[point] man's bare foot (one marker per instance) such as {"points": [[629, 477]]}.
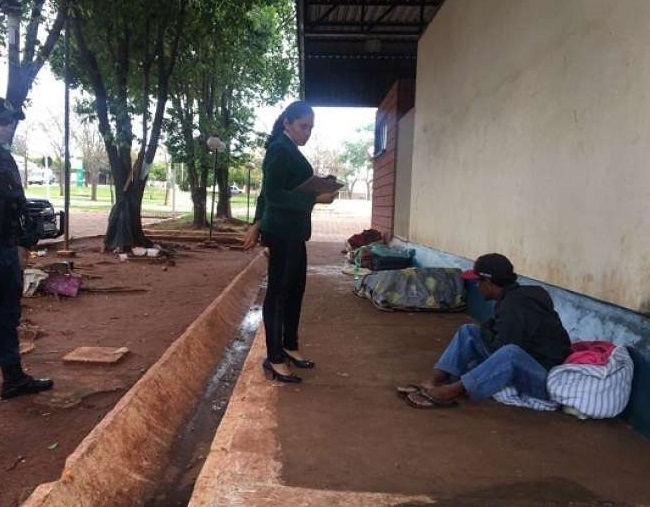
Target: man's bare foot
{"points": [[447, 392], [438, 377]]}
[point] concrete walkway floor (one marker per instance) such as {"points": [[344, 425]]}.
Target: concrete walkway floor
{"points": [[343, 438]]}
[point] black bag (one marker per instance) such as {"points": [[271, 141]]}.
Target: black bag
{"points": [[385, 257]]}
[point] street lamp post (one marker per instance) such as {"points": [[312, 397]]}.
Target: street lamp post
{"points": [[66, 134], [214, 144], [250, 166]]}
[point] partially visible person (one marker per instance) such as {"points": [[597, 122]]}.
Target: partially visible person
{"points": [[283, 220], [16, 236], [517, 347]]}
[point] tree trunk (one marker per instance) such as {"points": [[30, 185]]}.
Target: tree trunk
{"points": [[198, 192], [223, 204], [124, 222], [199, 201]]}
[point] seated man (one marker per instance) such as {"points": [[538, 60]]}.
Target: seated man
{"points": [[517, 347]]}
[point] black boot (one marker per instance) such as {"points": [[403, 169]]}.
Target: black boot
{"points": [[17, 382]]}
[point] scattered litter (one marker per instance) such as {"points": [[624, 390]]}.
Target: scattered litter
{"points": [[59, 267], [19, 459], [32, 279], [153, 252], [123, 257], [53, 446], [27, 334], [139, 251], [62, 284]]}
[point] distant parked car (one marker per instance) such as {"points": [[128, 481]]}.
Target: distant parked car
{"points": [[40, 177], [49, 224], [234, 189]]}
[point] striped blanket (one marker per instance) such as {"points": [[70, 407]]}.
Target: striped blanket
{"points": [[583, 390]]}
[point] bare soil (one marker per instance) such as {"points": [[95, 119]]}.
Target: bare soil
{"points": [[142, 304]]}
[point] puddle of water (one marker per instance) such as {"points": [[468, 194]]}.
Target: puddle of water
{"points": [[192, 444], [327, 270]]}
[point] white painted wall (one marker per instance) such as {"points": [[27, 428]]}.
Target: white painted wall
{"points": [[403, 170], [532, 138]]}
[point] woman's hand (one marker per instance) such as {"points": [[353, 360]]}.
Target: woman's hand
{"points": [[252, 236], [327, 198]]}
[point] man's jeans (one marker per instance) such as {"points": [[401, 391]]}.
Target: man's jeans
{"points": [[11, 288], [484, 373]]}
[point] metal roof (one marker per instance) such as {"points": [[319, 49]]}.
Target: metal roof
{"points": [[353, 51]]}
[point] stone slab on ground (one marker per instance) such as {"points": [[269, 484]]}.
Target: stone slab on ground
{"points": [[101, 355]]}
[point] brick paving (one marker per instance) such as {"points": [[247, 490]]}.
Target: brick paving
{"points": [[341, 219]]}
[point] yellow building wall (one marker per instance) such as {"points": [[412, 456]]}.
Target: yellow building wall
{"points": [[532, 138]]}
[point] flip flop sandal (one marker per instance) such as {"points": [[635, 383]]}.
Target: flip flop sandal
{"points": [[423, 399], [404, 391]]}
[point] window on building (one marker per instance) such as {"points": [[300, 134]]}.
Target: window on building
{"points": [[381, 137]]}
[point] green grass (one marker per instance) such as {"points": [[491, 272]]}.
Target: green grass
{"points": [[153, 200], [83, 194], [181, 222], [187, 222]]}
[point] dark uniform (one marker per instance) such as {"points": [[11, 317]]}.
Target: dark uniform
{"points": [[16, 230]]}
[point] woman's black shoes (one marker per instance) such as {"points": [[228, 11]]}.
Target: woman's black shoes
{"points": [[274, 375], [299, 363]]}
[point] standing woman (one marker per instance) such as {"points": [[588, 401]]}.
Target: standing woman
{"points": [[283, 220]]}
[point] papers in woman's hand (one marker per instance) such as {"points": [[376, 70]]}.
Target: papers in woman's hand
{"points": [[320, 185]]}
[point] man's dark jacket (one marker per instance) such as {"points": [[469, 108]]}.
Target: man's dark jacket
{"points": [[525, 316], [16, 227]]}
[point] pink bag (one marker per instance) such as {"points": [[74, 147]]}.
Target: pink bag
{"points": [[63, 284]]}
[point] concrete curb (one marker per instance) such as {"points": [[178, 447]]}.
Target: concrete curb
{"points": [[122, 458], [243, 467]]}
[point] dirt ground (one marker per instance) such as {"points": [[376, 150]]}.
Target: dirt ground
{"points": [[343, 429], [142, 304]]}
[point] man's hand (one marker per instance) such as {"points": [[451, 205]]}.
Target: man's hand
{"points": [[327, 198], [252, 236], [23, 256]]}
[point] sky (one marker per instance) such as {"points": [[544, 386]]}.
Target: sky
{"points": [[332, 125]]}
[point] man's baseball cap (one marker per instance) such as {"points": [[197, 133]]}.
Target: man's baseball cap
{"points": [[494, 267], [8, 112]]}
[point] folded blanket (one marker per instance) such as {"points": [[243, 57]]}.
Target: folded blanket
{"points": [[593, 390], [590, 352], [584, 390]]}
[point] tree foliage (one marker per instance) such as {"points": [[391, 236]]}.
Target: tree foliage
{"points": [[29, 49], [87, 138], [239, 60], [123, 53], [355, 159]]}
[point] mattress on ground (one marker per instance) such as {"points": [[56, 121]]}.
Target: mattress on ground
{"points": [[414, 289]]}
